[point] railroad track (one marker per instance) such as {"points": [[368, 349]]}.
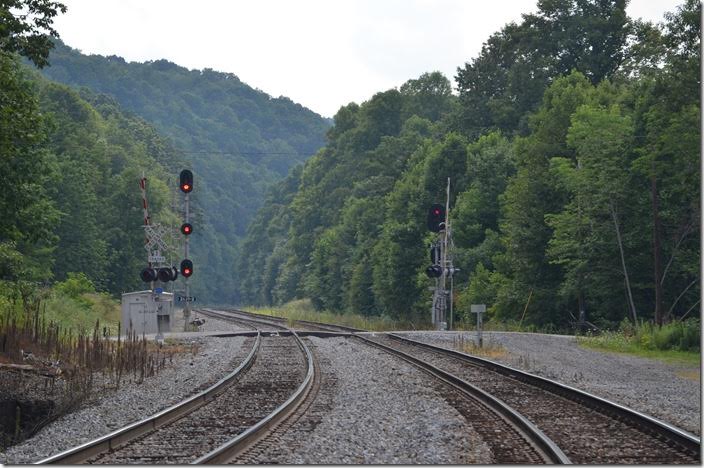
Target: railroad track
{"points": [[252, 322], [219, 422], [589, 429], [521, 417], [511, 437], [282, 322], [518, 440]]}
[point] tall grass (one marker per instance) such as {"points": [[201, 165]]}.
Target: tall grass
{"points": [[676, 340]]}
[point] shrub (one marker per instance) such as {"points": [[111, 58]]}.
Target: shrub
{"points": [[75, 286]]}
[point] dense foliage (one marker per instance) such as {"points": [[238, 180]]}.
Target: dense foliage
{"points": [[574, 154], [71, 204], [238, 140]]}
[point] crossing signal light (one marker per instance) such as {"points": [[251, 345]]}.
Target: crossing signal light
{"points": [[436, 218], [186, 181], [186, 268], [186, 229], [148, 275], [166, 274], [433, 271]]}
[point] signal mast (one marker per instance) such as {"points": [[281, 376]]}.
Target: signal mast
{"points": [[441, 258]]}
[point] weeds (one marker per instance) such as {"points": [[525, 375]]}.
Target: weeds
{"points": [[74, 364], [490, 348], [678, 341]]}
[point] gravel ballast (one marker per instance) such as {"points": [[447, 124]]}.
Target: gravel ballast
{"points": [[381, 411], [187, 375], [650, 386]]}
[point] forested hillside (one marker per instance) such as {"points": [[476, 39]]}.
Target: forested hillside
{"points": [[72, 163], [238, 140], [574, 153]]}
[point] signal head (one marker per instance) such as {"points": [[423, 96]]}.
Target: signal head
{"points": [[148, 275], [436, 218], [186, 181], [165, 275], [186, 229], [186, 268]]}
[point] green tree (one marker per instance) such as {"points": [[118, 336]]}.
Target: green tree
{"points": [[591, 238], [28, 213], [26, 28], [516, 65]]}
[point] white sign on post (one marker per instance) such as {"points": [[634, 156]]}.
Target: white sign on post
{"points": [[478, 308]]}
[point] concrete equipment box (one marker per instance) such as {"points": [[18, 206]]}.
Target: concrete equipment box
{"points": [[147, 312]]}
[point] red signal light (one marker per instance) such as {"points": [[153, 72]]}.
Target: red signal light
{"points": [[186, 229], [186, 181], [436, 218], [186, 268]]}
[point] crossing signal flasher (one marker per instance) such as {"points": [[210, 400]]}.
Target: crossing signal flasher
{"points": [[163, 274], [148, 275]]}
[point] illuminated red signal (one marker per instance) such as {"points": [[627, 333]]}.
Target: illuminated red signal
{"points": [[186, 229], [186, 181], [186, 268], [436, 218]]}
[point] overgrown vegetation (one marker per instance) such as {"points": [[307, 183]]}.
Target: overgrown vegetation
{"points": [[490, 349], [675, 341]]}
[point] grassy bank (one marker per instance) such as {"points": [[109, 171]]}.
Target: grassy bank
{"points": [[676, 342]]}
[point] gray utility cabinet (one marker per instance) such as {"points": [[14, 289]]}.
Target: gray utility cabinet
{"points": [[147, 312]]}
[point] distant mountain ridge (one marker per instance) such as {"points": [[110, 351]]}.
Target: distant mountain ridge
{"points": [[237, 139], [201, 110]]}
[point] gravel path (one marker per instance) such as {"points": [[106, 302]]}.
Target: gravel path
{"points": [[132, 402], [666, 391], [374, 408]]}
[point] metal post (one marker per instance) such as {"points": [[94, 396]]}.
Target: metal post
{"points": [[452, 281], [187, 308], [479, 329], [478, 309]]}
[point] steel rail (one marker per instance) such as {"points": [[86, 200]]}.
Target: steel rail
{"points": [[260, 321], [672, 433], [325, 326], [550, 452], [121, 436], [251, 436]]}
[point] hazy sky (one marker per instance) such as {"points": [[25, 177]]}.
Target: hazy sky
{"points": [[320, 53]]}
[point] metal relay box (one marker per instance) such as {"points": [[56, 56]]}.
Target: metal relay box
{"points": [[147, 312]]}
